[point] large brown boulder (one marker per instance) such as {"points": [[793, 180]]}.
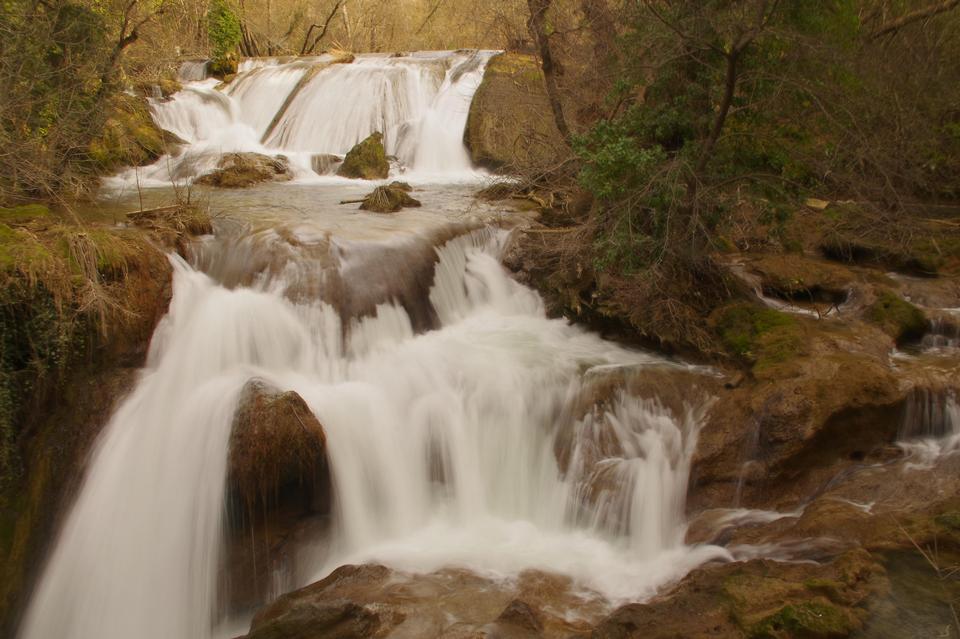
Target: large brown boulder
{"points": [[240, 170], [510, 122], [375, 601], [772, 441], [367, 160], [278, 487]]}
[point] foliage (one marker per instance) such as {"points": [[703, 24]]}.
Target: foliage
{"points": [[223, 29], [815, 109]]}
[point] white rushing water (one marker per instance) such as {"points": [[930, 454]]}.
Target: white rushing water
{"points": [[930, 427], [454, 409], [489, 391], [311, 106]]}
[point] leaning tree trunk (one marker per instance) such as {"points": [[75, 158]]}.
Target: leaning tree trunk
{"points": [[538, 29]]}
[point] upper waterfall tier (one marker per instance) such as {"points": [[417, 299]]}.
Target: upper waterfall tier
{"points": [[310, 106]]}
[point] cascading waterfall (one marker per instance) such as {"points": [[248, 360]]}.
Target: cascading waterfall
{"points": [[483, 398], [930, 426], [313, 106]]}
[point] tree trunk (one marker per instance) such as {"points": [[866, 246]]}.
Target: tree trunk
{"points": [[538, 29]]}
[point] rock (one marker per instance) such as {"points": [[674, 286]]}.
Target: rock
{"points": [[371, 600], [817, 204], [367, 160], [130, 137], [757, 599], [278, 482], [773, 440], [325, 163], [239, 170], [521, 619], [223, 67], [897, 317], [798, 278], [510, 121], [390, 198]]}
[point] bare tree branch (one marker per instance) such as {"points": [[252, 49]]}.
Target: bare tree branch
{"points": [[914, 16], [304, 50]]}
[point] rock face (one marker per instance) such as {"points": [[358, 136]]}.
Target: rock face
{"points": [[757, 599], [367, 160], [278, 484], [357, 602], [390, 198], [510, 120], [239, 170]]}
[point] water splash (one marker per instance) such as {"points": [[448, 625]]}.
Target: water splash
{"points": [[313, 106], [930, 427], [442, 447]]}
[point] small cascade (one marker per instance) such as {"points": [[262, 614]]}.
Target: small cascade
{"points": [[193, 70], [442, 446], [318, 106], [930, 426], [943, 335]]}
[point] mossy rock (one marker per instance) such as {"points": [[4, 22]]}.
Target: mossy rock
{"points": [[897, 317], [130, 137], [367, 160], [510, 121], [389, 199], [761, 336], [223, 67], [240, 170], [806, 620]]}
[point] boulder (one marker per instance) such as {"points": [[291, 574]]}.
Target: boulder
{"points": [[897, 317], [390, 198], [278, 485], [758, 599], [367, 160], [510, 122], [821, 393], [129, 137], [239, 170], [452, 603]]}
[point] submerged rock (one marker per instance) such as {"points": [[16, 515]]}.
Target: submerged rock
{"points": [[390, 198], [325, 163], [239, 170], [367, 160]]}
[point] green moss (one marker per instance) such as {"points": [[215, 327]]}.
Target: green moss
{"points": [[897, 317], [24, 214], [367, 160], [813, 619], [949, 520], [129, 138], [763, 336]]}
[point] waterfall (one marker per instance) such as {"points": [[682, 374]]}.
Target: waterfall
{"points": [[930, 426], [314, 106], [442, 445]]}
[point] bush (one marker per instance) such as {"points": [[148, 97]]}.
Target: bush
{"points": [[223, 29]]}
